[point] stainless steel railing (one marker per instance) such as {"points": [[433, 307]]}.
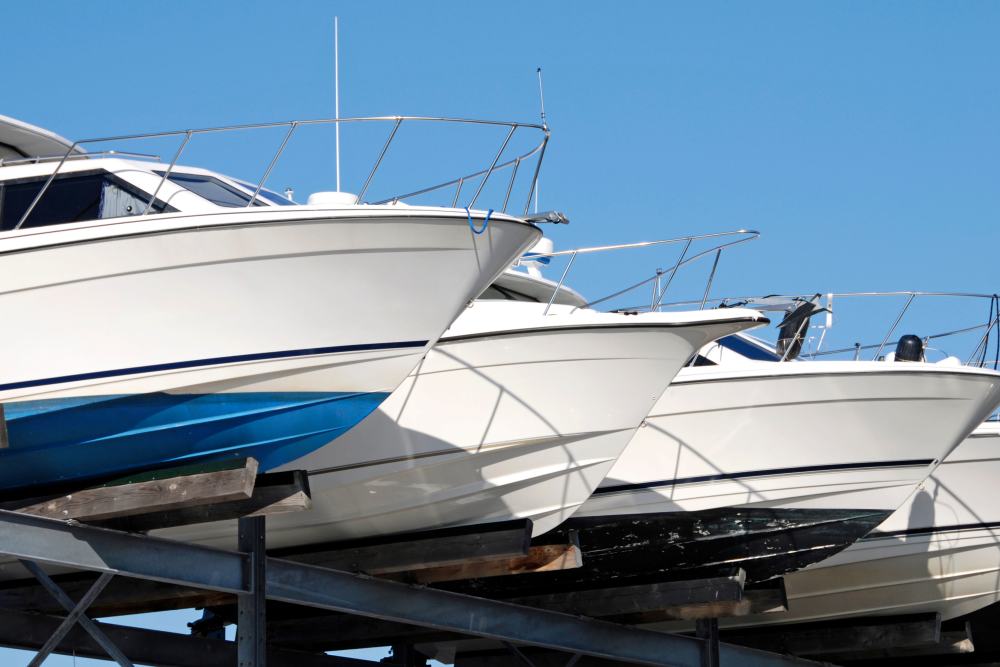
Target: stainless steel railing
{"points": [[659, 290], [978, 357], [186, 136]]}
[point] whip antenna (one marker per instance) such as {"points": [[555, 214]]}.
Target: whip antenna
{"points": [[336, 92]]}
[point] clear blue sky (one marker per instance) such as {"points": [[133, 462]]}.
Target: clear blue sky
{"points": [[861, 138]]}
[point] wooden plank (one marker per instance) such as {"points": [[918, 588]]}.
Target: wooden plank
{"points": [[274, 493], [432, 549], [150, 647], [642, 598], [826, 639], [953, 643], [544, 558], [754, 601], [171, 493]]}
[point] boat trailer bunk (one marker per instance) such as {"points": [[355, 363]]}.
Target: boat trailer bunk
{"points": [[291, 607]]}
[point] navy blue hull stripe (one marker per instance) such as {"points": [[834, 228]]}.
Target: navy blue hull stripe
{"points": [[929, 530], [763, 473], [285, 354]]}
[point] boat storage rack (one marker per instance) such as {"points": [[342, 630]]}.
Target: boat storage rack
{"points": [[89, 555]]}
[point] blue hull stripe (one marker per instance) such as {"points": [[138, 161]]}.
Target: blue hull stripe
{"points": [[56, 441], [212, 362], [763, 473]]}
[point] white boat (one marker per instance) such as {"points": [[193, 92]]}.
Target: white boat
{"points": [[938, 553], [160, 314], [515, 414], [751, 450]]}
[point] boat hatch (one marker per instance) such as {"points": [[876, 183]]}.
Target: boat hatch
{"points": [[72, 197]]}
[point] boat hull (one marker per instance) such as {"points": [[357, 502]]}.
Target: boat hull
{"points": [[647, 548], [816, 435], [938, 553], [496, 425], [204, 337]]}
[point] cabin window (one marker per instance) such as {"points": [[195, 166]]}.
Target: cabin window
{"points": [[214, 190], [71, 198]]}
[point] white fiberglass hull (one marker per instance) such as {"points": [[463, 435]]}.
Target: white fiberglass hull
{"points": [[810, 435], [260, 332], [511, 415], [938, 553]]}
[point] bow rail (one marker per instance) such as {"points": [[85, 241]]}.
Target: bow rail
{"points": [[481, 177]]}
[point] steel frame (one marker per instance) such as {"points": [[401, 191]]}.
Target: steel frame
{"points": [[250, 576]]}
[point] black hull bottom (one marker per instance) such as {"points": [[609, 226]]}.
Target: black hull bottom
{"points": [[635, 549]]}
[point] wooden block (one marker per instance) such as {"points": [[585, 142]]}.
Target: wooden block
{"points": [[543, 558], [144, 497], [432, 549], [843, 637], [273, 493], [672, 596]]}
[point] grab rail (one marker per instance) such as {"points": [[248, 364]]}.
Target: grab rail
{"points": [[991, 326], [659, 292], [292, 125]]}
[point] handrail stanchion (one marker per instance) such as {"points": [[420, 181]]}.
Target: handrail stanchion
{"points": [[673, 272], [894, 325], [982, 341], [458, 192], [534, 178], [166, 174], [562, 278], [482, 183], [274, 160], [510, 185], [371, 175], [656, 289], [711, 277], [34, 202]]}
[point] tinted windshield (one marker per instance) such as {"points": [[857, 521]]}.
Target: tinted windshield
{"points": [[213, 189], [269, 195]]}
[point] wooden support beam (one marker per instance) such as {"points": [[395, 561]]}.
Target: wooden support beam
{"points": [[842, 637], [544, 558], [169, 492], [627, 600], [273, 493], [432, 549], [754, 601], [150, 647]]}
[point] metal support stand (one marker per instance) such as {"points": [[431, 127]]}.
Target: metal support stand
{"points": [[251, 630], [707, 629], [76, 615]]}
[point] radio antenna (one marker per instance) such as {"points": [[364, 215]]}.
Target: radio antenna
{"points": [[336, 92], [541, 97]]}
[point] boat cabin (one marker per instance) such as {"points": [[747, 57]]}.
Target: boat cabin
{"points": [[98, 186]]}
